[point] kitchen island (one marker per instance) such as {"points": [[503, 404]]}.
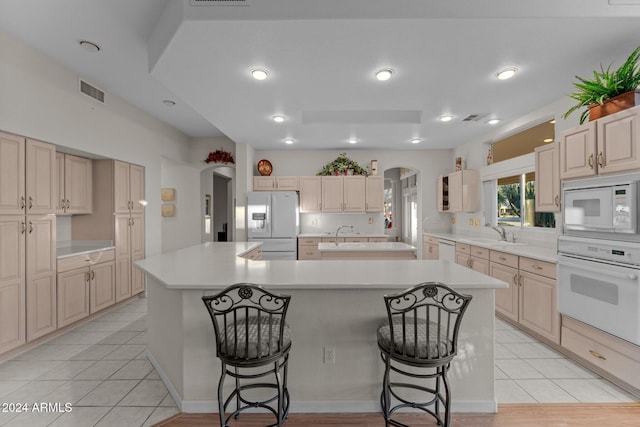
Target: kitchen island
{"points": [[335, 304], [366, 250]]}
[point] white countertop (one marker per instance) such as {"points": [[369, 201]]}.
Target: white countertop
{"points": [[71, 248], [366, 247], [333, 234], [526, 250], [214, 265]]}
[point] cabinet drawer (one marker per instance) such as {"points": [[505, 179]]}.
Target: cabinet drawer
{"points": [[333, 239], [543, 268], [356, 239], [479, 252], [378, 239], [308, 241], [504, 258], [84, 260], [605, 351], [307, 252], [430, 239], [463, 247], [255, 254]]}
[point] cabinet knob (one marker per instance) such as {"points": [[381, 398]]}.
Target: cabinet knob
{"points": [[515, 279], [536, 266], [601, 159], [30, 227], [22, 203], [556, 200], [591, 161], [502, 258], [23, 227], [30, 202], [597, 355]]}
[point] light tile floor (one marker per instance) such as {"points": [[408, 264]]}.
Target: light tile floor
{"points": [[100, 370], [528, 371]]}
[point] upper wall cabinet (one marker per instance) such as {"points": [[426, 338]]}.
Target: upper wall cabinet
{"points": [[374, 197], [310, 193], [128, 188], [604, 146], [352, 194], [443, 193], [547, 178], [463, 189], [74, 185], [275, 183]]}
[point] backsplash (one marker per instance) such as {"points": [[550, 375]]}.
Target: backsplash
{"points": [[370, 223], [63, 228]]}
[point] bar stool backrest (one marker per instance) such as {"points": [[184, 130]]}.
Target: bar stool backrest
{"points": [[249, 322], [426, 320]]}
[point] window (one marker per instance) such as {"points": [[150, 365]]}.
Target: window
{"points": [[516, 207]]}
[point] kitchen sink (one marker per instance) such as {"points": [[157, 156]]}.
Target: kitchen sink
{"points": [[492, 242]]}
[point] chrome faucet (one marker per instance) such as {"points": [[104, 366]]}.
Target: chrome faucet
{"points": [[340, 228], [500, 230]]}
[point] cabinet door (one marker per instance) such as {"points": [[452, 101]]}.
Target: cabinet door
{"points": [[137, 253], [41, 178], [12, 282], [463, 259], [332, 193], [470, 190], [310, 193], [73, 296], [618, 142], [480, 265], [443, 193], [78, 185], [538, 305], [123, 257], [41, 275], [12, 191], [264, 183], [102, 290], [374, 192], [431, 251], [136, 188], [287, 183], [578, 152], [547, 178], [121, 187], [455, 192], [354, 193], [506, 299], [59, 187]]}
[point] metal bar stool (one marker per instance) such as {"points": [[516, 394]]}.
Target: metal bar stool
{"points": [[251, 332], [421, 331]]}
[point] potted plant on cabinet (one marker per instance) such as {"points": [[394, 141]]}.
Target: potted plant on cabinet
{"points": [[608, 91], [342, 165]]}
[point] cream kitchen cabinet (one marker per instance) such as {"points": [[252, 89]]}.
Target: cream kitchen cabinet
{"points": [[86, 285], [443, 193], [531, 299], [332, 194], [310, 193], [118, 215], [463, 189], [354, 194], [344, 194], [604, 146], [377, 239], [374, 194], [473, 257], [547, 171], [430, 248], [12, 281], [275, 183], [74, 185], [254, 254], [308, 248]]}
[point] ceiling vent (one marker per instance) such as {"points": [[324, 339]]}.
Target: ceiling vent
{"points": [[91, 91], [219, 2], [475, 117]]}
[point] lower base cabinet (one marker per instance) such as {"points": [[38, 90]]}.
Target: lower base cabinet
{"points": [[102, 290], [73, 296]]}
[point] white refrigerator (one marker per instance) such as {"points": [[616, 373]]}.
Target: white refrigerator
{"points": [[273, 219]]}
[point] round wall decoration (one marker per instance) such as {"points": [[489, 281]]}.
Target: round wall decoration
{"points": [[264, 167]]}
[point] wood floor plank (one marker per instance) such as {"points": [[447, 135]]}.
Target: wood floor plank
{"points": [[509, 415]]}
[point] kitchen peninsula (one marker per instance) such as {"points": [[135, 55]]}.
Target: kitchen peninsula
{"points": [[335, 304], [366, 250]]}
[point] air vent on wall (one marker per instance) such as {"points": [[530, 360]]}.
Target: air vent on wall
{"points": [[219, 2], [475, 117], [91, 91]]}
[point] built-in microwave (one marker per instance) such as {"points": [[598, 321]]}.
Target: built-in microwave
{"points": [[602, 205]]}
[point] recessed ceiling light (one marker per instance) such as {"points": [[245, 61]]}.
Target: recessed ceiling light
{"points": [[278, 119], [169, 103], [494, 121], [446, 118], [289, 141], [384, 74], [89, 46], [259, 73], [506, 73], [352, 141], [416, 140], [548, 140]]}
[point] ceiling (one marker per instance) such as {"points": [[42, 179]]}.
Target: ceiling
{"points": [[322, 55]]}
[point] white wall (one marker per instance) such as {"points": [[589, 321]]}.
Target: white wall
{"points": [[40, 99]]}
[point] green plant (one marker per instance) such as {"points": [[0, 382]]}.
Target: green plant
{"points": [[341, 164], [606, 84]]}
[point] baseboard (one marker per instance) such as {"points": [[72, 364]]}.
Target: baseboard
{"points": [[167, 382]]}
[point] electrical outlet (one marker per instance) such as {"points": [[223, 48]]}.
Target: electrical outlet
{"points": [[314, 221], [330, 355], [477, 223], [470, 222], [453, 220], [372, 220]]}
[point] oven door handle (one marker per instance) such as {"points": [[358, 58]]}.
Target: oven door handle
{"points": [[601, 271]]}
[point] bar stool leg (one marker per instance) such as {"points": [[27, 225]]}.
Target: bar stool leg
{"points": [[386, 392], [285, 388], [223, 374], [447, 403], [276, 371]]}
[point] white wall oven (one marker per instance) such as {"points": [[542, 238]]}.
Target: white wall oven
{"points": [[599, 284]]}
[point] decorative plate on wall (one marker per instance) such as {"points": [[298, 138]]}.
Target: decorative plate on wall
{"points": [[264, 167]]}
